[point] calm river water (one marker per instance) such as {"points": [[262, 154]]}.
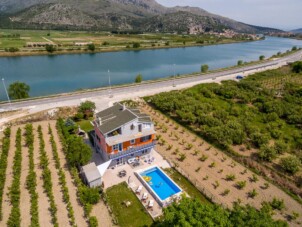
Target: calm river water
{"points": [[64, 73]]}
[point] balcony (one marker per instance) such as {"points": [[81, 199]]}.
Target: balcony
{"points": [[131, 151]]}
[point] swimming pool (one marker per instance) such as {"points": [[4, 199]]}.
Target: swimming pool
{"points": [[159, 184]]}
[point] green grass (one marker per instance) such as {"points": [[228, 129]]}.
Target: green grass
{"points": [[133, 216], [85, 125], [186, 185]]}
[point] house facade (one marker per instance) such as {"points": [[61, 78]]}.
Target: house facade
{"points": [[122, 133]]}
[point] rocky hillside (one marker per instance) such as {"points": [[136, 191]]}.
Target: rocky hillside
{"points": [[140, 15]]}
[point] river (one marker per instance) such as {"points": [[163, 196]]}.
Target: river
{"points": [[64, 73]]}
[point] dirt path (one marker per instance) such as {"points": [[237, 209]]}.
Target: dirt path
{"points": [[62, 213], [78, 209], [6, 207], [24, 195], [43, 203], [210, 177], [101, 212]]}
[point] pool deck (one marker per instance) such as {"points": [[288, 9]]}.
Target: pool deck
{"points": [[111, 178]]}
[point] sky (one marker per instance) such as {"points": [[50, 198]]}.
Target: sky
{"points": [[282, 14]]}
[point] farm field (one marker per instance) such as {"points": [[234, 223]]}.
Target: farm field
{"points": [[43, 203], [103, 41], [218, 176]]}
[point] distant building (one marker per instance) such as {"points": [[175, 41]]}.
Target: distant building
{"points": [[82, 43], [39, 44], [122, 133], [91, 175]]}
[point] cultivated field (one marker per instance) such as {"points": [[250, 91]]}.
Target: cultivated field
{"points": [[53, 201], [217, 175], [104, 41]]}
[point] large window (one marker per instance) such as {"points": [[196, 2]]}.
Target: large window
{"points": [[145, 138], [146, 125]]}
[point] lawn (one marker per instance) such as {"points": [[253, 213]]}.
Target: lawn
{"points": [[132, 216], [85, 125], [186, 185]]}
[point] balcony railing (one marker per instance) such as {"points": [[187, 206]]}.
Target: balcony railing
{"points": [[132, 150]]}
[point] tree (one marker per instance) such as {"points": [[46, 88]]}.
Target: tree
{"points": [[139, 78], [191, 212], [240, 62], [85, 109], [294, 48], [204, 68], [267, 153], [18, 90], [136, 45], [290, 164], [50, 48], [261, 57], [297, 67], [91, 47], [78, 153]]}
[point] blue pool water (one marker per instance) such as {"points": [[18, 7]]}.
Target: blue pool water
{"points": [[160, 183]]}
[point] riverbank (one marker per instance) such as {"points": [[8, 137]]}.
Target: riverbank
{"points": [[33, 42], [110, 49]]}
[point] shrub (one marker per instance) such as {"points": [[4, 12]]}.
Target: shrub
{"points": [[226, 192], [136, 45], [93, 222], [241, 184], [212, 165], [89, 195], [182, 157], [254, 178], [91, 47], [297, 67], [14, 190], [3, 164], [50, 48], [277, 204], [290, 164], [267, 153], [203, 158], [253, 193], [230, 177]]}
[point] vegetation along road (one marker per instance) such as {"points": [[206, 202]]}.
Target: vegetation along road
{"points": [[148, 88]]}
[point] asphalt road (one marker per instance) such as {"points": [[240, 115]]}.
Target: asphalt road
{"points": [[149, 85]]}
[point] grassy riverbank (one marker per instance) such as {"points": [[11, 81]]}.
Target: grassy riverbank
{"points": [[31, 42]]}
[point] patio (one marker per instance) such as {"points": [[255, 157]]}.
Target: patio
{"points": [[113, 177]]}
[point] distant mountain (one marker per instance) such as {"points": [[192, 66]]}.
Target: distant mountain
{"points": [[138, 15], [299, 30]]}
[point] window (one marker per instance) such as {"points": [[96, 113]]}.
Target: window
{"points": [[139, 128], [146, 125], [115, 147], [132, 141], [145, 138], [132, 127]]}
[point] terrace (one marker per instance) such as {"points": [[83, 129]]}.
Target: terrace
{"points": [[112, 178]]}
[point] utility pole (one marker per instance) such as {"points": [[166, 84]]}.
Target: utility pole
{"points": [[174, 76], [10, 105], [110, 92]]}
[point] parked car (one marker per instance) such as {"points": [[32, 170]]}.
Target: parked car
{"points": [[239, 77]]}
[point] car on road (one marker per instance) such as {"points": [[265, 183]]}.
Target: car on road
{"points": [[239, 77]]}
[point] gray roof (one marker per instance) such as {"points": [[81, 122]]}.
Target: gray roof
{"points": [[91, 172], [114, 117]]}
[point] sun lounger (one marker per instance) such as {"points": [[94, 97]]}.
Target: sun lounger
{"points": [[139, 189], [145, 196], [151, 203]]}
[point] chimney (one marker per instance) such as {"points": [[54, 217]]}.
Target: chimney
{"points": [[99, 120], [124, 106]]}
